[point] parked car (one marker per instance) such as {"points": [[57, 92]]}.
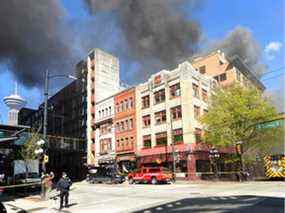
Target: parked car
{"points": [[31, 178], [151, 175], [104, 175], [2, 208]]}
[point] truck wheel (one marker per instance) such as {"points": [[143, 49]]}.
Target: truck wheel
{"points": [[153, 180], [131, 181]]}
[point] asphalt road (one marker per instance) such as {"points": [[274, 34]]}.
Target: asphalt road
{"points": [[180, 197], [235, 204]]}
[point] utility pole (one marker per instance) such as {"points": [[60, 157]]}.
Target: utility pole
{"points": [[173, 148], [45, 113]]}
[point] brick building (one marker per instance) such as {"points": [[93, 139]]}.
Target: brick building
{"points": [[125, 128], [226, 70]]}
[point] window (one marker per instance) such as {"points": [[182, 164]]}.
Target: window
{"points": [[161, 139], [238, 75], [117, 107], [175, 90], [131, 103], [103, 113], [159, 96], [147, 141], [202, 69], [196, 112], [178, 136], [110, 111], [131, 123], [127, 124], [176, 112], [118, 127], [223, 77], [198, 135], [160, 117], [145, 101], [126, 104], [146, 120], [122, 107], [195, 90], [204, 95], [99, 113], [122, 127]]}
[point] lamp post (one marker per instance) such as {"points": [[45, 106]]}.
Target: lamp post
{"points": [[214, 155], [47, 77]]}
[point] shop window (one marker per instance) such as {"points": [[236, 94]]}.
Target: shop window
{"points": [[146, 120], [178, 136], [176, 112], [175, 91], [161, 139], [195, 90], [203, 166], [160, 117], [196, 112], [147, 141], [145, 102], [204, 95], [159, 96]]}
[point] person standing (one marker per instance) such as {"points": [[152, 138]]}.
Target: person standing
{"points": [[63, 185]]}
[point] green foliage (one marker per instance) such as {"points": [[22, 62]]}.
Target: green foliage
{"points": [[27, 151], [233, 115]]}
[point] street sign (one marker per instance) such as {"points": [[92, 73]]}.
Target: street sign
{"points": [[270, 124]]}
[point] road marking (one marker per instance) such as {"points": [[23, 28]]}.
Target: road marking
{"points": [[159, 208], [213, 198], [169, 205], [223, 198]]}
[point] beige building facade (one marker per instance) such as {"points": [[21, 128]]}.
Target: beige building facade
{"points": [[168, 107]]}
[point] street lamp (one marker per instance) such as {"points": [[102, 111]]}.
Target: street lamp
{"points": [[214, 155], [47, 77]]}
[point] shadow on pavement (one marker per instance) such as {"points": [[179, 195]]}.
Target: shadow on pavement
{"points": [[236, 204]]}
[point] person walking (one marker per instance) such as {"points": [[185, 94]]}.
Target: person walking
{"points": [[49, 183], [63, 185]]}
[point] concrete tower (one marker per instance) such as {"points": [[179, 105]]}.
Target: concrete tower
{"points": [[15, 103]]}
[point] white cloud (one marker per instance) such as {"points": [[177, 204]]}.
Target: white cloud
{"points": [[271, 49]]}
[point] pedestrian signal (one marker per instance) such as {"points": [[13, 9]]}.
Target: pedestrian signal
{"points": [[46, 158]]}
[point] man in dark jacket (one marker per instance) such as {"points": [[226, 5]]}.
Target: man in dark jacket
{"points": [[63, 185]]}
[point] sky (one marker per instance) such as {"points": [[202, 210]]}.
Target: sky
{"points": [[264, 18]]}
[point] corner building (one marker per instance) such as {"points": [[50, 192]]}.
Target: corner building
{"points": [[168, 107]]}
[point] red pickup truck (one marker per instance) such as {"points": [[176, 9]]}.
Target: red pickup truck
{"points": [[151, 175]]}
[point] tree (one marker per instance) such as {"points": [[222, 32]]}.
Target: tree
{"points": [[27, 151], [233, 115]]}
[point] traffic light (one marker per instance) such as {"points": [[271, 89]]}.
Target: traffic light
{"points": [[46, 158]]}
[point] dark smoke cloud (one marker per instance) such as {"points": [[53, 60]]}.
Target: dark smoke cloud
{"points": [[154, 29], [241, 42], [33, 38]]}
